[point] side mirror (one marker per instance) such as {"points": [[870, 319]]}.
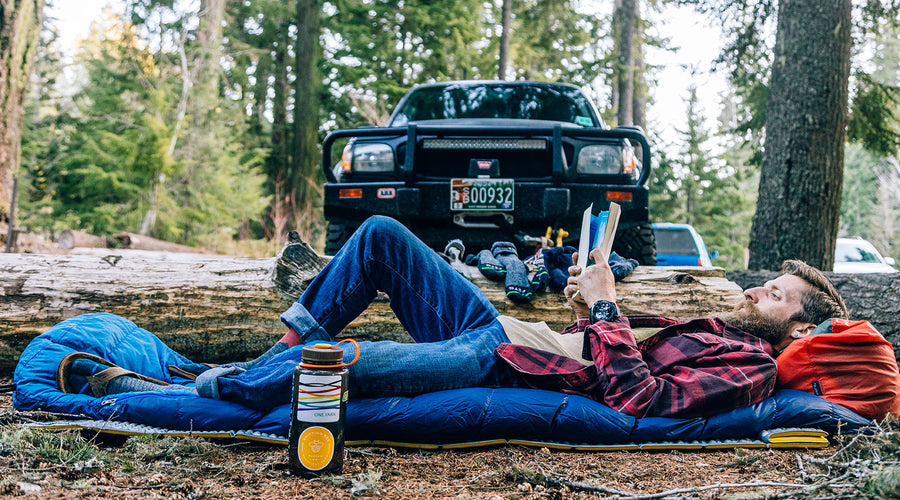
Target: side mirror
{"points": [[890, 261], [713, 254]]}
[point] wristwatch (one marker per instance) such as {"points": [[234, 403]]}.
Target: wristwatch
{"points": [[604, 310]]}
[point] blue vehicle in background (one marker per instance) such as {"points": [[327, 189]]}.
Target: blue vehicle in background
{"points": [[680, 245]]}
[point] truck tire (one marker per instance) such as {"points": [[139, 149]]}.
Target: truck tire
{"points": [[335, 236], [637, 243]]}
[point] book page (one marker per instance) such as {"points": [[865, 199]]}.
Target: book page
{"points": [[585, 241]]}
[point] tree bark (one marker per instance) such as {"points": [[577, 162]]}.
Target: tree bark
{"points": [[802, 171], [20, 25], [505, 34], [227, 309]]}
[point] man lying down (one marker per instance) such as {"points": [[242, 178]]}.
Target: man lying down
{"points": [[687, 369]]}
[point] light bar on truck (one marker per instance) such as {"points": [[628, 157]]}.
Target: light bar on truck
{"points": [[486, 143]]}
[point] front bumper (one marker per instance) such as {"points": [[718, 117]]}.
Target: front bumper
{"points": [[426, 207]]}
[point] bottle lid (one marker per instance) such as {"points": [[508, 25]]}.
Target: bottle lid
{"points": [[322, 354]]}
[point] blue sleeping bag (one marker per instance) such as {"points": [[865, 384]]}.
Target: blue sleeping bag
{"points": [[462, 415]]}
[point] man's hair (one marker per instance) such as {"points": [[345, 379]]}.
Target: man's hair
{"points": [[821, 300]]}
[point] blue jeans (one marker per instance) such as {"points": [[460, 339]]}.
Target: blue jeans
{"points": [[454, 324]]}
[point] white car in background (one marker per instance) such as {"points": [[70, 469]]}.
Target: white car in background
{"points": [[856, 255]]}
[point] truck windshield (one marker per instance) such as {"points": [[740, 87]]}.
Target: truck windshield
{"points": [[527, 102]]}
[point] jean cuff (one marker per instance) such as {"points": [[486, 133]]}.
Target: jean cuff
{"points": [[298, 318], [207, 383]]}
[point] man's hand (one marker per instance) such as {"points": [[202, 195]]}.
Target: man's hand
{"points": [[595, 283], [581, 309]]}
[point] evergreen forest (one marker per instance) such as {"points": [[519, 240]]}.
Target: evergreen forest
{"points": [[200, 122]]}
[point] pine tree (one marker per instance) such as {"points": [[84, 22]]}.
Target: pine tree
{"points": [[134, 134]]}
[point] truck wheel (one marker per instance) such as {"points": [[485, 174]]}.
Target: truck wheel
{"points": [[637, 243], [335, 237]]}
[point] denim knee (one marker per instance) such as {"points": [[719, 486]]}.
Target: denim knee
{"points": [[378, 227]]}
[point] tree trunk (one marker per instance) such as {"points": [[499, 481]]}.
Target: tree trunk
{"points": [[639, 99], [306, 109], [279, 167], [802, 171], [227, 309], [20, 25], [505, 33], [627, 24], [616, 71]]}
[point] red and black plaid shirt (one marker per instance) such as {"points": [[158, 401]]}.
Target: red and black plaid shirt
{"points": [[700, 367]]}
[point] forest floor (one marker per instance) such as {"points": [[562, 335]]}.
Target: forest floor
{"points": [[71, 464]]}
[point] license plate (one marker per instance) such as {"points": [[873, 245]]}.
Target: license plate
{"points": [[481, 194]]}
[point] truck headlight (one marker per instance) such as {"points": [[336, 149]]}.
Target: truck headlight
{"points": [[368, 157], [605, 159]]}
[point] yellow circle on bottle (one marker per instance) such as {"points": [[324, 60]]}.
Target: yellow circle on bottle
{"points": [[315, 448]]}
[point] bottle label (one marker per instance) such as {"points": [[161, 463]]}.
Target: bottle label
{"points": [[319, 398], [315, 448]]}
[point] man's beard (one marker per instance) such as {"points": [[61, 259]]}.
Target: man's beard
{"points": [[747, 317]]}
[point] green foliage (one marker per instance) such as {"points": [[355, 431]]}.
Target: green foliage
{"points": [[696, 188], [749, 26], [122, 150], [873, 116], [385, 47], [553, 41], [747, 56]]}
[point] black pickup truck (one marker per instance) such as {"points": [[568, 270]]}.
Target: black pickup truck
{"points": [[485, 161]]}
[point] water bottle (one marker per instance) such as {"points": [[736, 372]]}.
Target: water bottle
{"points": [[318, 411]]}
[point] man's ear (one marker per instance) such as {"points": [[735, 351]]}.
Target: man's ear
{"points": [[799, 330]]}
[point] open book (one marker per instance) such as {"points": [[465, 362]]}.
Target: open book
{"points": [[602, 236]]}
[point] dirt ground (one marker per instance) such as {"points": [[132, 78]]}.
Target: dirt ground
{"points": [[87, 465]]}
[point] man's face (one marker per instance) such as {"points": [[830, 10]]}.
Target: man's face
{"points": [[767, 310]]}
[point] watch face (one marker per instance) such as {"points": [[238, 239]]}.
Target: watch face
{"points": [[604, 310]]}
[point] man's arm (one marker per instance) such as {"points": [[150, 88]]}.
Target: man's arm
{"points": [[683, 375], [686, 374]]}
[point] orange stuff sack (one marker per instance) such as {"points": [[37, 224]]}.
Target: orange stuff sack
{"points": [[846, 362]]}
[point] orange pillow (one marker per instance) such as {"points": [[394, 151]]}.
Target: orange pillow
{"points": [[853, 366]]}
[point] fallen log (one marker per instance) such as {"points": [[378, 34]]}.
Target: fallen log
{"points": [[216, 309], [140, 242], [70, 239]]}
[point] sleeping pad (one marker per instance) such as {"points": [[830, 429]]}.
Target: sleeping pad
{"points": [[457, 416]]}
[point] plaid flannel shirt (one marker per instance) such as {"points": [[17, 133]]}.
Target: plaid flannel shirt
{"points": [[700, 367]]}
